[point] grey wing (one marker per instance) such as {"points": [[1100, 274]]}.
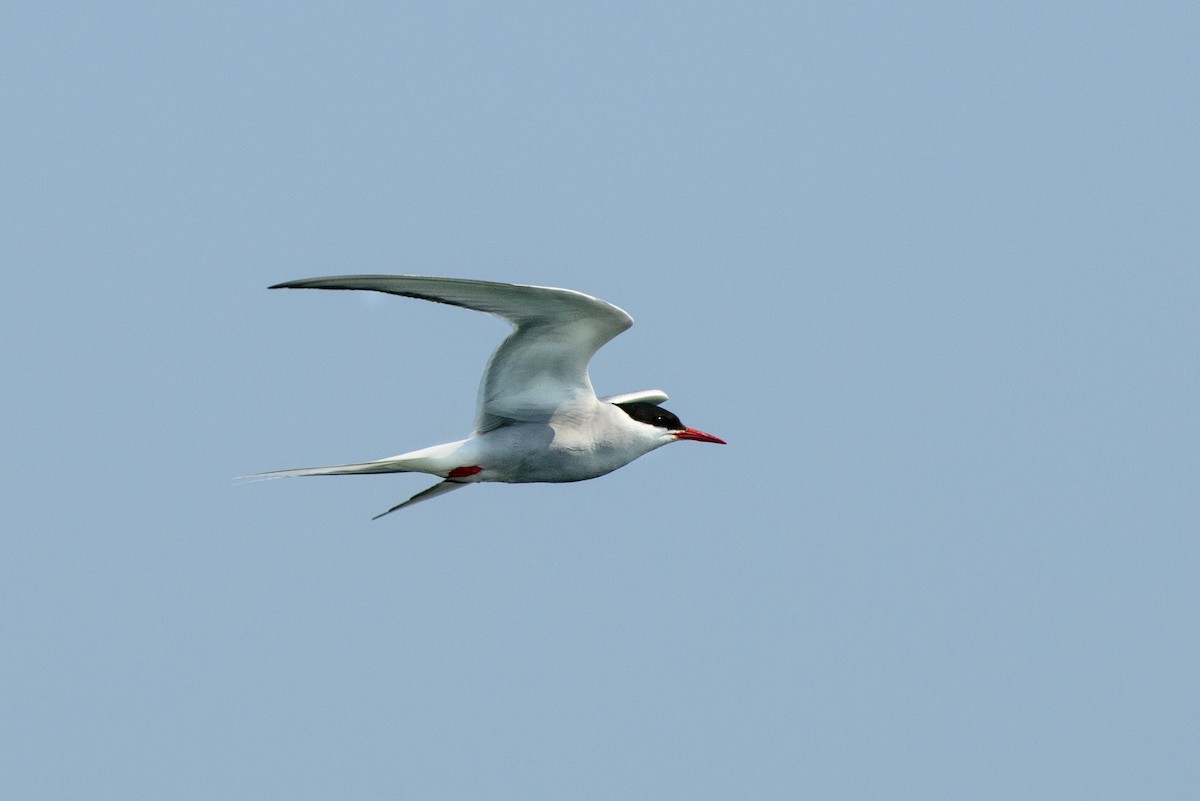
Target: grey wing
{"points": [[542, 365]]}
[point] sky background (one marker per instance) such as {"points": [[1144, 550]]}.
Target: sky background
{"points": [[932, 269]]}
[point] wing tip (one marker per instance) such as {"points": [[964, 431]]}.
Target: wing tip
{"points": [[655, 396], [303, 283], [425, 495]]}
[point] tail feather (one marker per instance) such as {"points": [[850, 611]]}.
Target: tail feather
{"points": [[363, 468], [438, 460]]}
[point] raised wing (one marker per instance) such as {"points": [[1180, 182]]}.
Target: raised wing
{"points": [[655, 396], [542, 365]]}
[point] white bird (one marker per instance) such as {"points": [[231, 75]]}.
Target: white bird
{"points": [[538, 418]]}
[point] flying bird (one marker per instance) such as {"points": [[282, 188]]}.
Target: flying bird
{"points": [[537, 418]]}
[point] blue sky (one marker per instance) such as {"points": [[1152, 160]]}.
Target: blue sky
{"points": [[931, 270]]}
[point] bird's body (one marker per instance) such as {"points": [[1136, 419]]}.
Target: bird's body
{"points": [[538, 418]]}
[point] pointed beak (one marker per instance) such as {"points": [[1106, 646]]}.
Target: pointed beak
{"points": [[698, 436]]}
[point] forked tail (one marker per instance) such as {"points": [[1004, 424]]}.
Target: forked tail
{"points": [[439, 460]]}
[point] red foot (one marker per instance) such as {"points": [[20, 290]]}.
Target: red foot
{"points": [[463, 472]]}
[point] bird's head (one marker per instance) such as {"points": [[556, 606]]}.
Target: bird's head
{"points": [[672, 428]]}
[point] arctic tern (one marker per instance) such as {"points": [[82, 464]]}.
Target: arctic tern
{"points": [[538, 418]]}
